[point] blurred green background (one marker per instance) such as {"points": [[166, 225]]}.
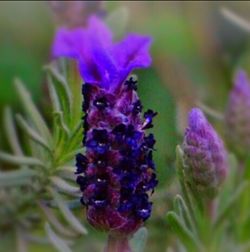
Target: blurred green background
{"points": [[195, 53]]}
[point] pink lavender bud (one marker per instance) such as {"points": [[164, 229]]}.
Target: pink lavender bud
{"points": [[204, 155], [116, 174], [237, 116]]}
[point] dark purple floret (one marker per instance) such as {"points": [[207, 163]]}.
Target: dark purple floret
{"points": [[149, 115], [131, 84], [86, 95], [81, 163], [137, 107], [149, 141]]}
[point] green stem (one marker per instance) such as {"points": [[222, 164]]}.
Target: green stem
{"points": [[117, 243], [211, 209]]}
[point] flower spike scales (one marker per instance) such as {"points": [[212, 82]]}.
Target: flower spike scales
{"points": [[205, 157], [117, 173], [205, 161]]}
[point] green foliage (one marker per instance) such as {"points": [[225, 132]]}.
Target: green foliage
{"points": [[204, 226], [41, 182]]}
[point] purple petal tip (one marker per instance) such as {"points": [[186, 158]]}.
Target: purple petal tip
{"points": [[241, 79], [101, 61], [204, 155], [196, 118]]}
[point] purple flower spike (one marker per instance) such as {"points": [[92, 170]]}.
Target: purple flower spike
{"points": [[102, 62], [237, 116], [205, 158], [117, 173]]}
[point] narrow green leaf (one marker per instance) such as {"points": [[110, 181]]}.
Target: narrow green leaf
{"points": [[198, 201], [184, 212], [236, 19], [70, 156], [59, 120], [185, 235], [11, 182], [36, 239], [75, 137], [223, 215], [32, 133], [61, 133], [67, 172], [74, 81], [10, 130], [181, 177], [72, 204], [20, 160], [62, 89], [53, 95], [68, 215], [63, 186], [16, 178], [55, 240], [139, 240], [67, 169], [32, 111], [51, 217]]}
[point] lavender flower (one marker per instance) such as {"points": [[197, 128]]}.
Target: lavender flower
{"points": [[204, 155], [117, 171], [237, 116]]}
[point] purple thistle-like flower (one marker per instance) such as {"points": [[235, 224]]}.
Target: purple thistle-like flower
{"points": [[117, 172], [237, 115], [205, 159]]}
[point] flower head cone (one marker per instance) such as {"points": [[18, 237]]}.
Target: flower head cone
{"points": [[237, 116], [117, 173], [205, 158]]}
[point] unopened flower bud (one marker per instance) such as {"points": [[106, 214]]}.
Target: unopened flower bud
{"points": [[237, 116], [205, 158]]}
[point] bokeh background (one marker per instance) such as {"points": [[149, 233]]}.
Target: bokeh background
{"points": [[195, 54]]}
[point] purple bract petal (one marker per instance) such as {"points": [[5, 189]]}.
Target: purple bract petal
{"points": [[241, 81], [132, 53], [102, 62], [66, 42], [96, 65], [98, 29]]}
